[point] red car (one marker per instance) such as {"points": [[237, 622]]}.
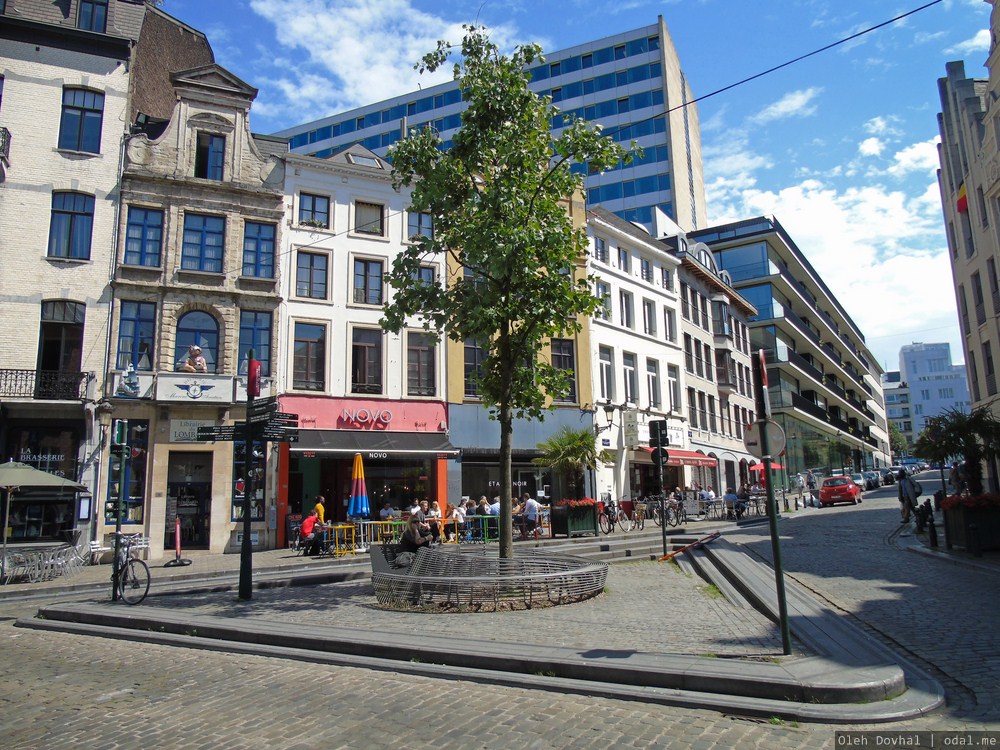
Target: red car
{"points": [[839, 490]]}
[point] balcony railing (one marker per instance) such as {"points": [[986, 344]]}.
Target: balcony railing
{"points": [[5, 144], [50, 385]]}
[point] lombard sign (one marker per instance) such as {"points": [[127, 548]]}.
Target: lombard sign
{"points": [[194, 388]]}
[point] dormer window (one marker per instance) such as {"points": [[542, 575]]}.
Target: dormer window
{"points": [[209, 156], [94, 15], [365, 161]]}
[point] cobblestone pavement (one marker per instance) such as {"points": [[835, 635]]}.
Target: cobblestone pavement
{"points": [[63, 691]]}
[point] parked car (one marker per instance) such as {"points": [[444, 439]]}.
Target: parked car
{"points": [[873, 480], [888, 477], [859, 479], [839, 490]]}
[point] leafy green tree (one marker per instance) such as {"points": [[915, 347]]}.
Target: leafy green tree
{"points": [[499, 198], [898, 444], [569, 453]]}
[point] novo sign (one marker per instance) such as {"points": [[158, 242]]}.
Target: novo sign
{"points": [[372, 418]]}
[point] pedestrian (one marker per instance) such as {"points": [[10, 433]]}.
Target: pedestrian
{"points": [[909, 492], [811, 485], [320, 508]]}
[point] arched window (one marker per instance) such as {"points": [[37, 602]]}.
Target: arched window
{"points": [[199, 328]]}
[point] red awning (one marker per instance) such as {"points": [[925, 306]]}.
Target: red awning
{"points": [[760, 467], [678, 457]]}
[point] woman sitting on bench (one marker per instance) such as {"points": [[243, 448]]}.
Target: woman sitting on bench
{"points": [[413, 537]]}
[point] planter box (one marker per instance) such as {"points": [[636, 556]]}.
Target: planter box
{"points": [[959, 521], [567, 521]]}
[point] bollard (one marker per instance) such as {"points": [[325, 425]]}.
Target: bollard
{"points": [[178, 561], [932, 533]]}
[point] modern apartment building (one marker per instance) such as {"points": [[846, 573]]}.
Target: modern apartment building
{"points": [[823, 383], [931, 383], [969, 180], [64, 79], [629, 83]]}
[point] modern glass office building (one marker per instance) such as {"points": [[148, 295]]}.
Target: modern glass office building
{"points": [[629, 83]]}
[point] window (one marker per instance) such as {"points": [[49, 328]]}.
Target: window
{"points": [[667, 279], [607, 366], [94, 15], [314, 210], [255, 333], [702, 411], [692, 408], [653, 382], [310, 275], [81, 121], [136, 333], [674, 387], [563, 359], [258, 250], [368, 282], [670, 324], [420, 364], [708, 362], [685, 305], [649, 317], [366, 361], [706, 321], [309, 357], [143, 237], [688, 353], [713, 424], [628, 368], [603, 293], [625, 299], [600, 250], [646, 269], [204, 240], [209, 156], [201, 329], [368, 219], [475, 356], [71, 225], [623, 259], [425, 276], [419, 224]]}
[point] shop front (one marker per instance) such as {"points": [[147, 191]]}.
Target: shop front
{"points": [[404, 448], [682, 469]]}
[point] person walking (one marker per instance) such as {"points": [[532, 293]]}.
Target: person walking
{"points": [[811, 485], [909, 493]]}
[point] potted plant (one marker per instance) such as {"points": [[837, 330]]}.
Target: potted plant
{"points": [[574, 517], [569, 453]]}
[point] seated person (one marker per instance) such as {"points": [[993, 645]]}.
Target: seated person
{"points": [[312, 535], [483, 509], [387, 513], [412, 538], [494, 507], [428, 522], [194, 362], [734, 508], [458, 518], [531, 509]]}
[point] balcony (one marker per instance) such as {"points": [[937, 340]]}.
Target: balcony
{"points": [[44, 385], [726, 378]]}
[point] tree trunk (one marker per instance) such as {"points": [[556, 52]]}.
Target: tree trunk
{"points": [[506, 445]]}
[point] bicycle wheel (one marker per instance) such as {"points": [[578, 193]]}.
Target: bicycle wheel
{"points": [[624, 522], [605, 523], [655, 513], [133, 584], [639, 518], [672, 517]]}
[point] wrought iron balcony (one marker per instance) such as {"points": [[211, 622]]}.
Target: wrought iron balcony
{"points": [[49, 385], [5, 144]]}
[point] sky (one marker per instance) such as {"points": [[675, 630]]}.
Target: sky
{"points": [[840, 148]]}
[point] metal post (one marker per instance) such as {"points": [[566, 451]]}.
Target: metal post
{"points": [[246, 549], [120, 447]]}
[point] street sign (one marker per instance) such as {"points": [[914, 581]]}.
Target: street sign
{"points": [[281, 436], [284, 415], [660, 456], [775, 439], [263, 405], [226, 432]]}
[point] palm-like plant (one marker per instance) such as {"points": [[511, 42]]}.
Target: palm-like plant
{"points": [[569, 453], [973, 435]]}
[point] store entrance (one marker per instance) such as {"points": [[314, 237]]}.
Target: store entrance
{"points": [[189, 495]]}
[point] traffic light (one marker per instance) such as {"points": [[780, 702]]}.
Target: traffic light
{"points": [[658, 437], [119, 437]]}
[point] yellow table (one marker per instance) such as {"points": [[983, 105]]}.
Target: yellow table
{"points": [[340, 540]]}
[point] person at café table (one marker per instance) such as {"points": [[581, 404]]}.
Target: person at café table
{"points": [[428, 524], [530, 510], [312, 534], [387, 513], [483, 509], [458, 516], [412, 538]]}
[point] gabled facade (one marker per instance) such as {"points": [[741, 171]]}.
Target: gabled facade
{"points": [[355, 388], [197, 264], [64, 79]]}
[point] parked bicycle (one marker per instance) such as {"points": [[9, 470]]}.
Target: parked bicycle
{"points": [[628, 520], [608, 516], [133, 573], [676, 512]]}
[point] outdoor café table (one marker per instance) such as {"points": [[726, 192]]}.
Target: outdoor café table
{"points": [[340, 539]]}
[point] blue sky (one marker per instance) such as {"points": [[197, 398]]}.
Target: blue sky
{"points": [[840, 148]]}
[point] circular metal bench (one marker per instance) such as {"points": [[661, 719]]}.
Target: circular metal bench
{"points": [[453, 580]]}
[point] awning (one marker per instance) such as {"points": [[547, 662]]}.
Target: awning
{"points": [[677, 457], [358, 441]]}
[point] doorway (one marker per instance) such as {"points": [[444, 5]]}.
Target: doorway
{"points": [[189, 497]]}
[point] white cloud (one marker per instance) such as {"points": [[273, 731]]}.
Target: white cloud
{"points": [[881, 125], [979, 43], [871, 147], [920, 157], [357, 51], [793, 104]]}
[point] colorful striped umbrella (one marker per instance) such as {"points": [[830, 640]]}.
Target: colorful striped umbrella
{"points": [[358, 506]]}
